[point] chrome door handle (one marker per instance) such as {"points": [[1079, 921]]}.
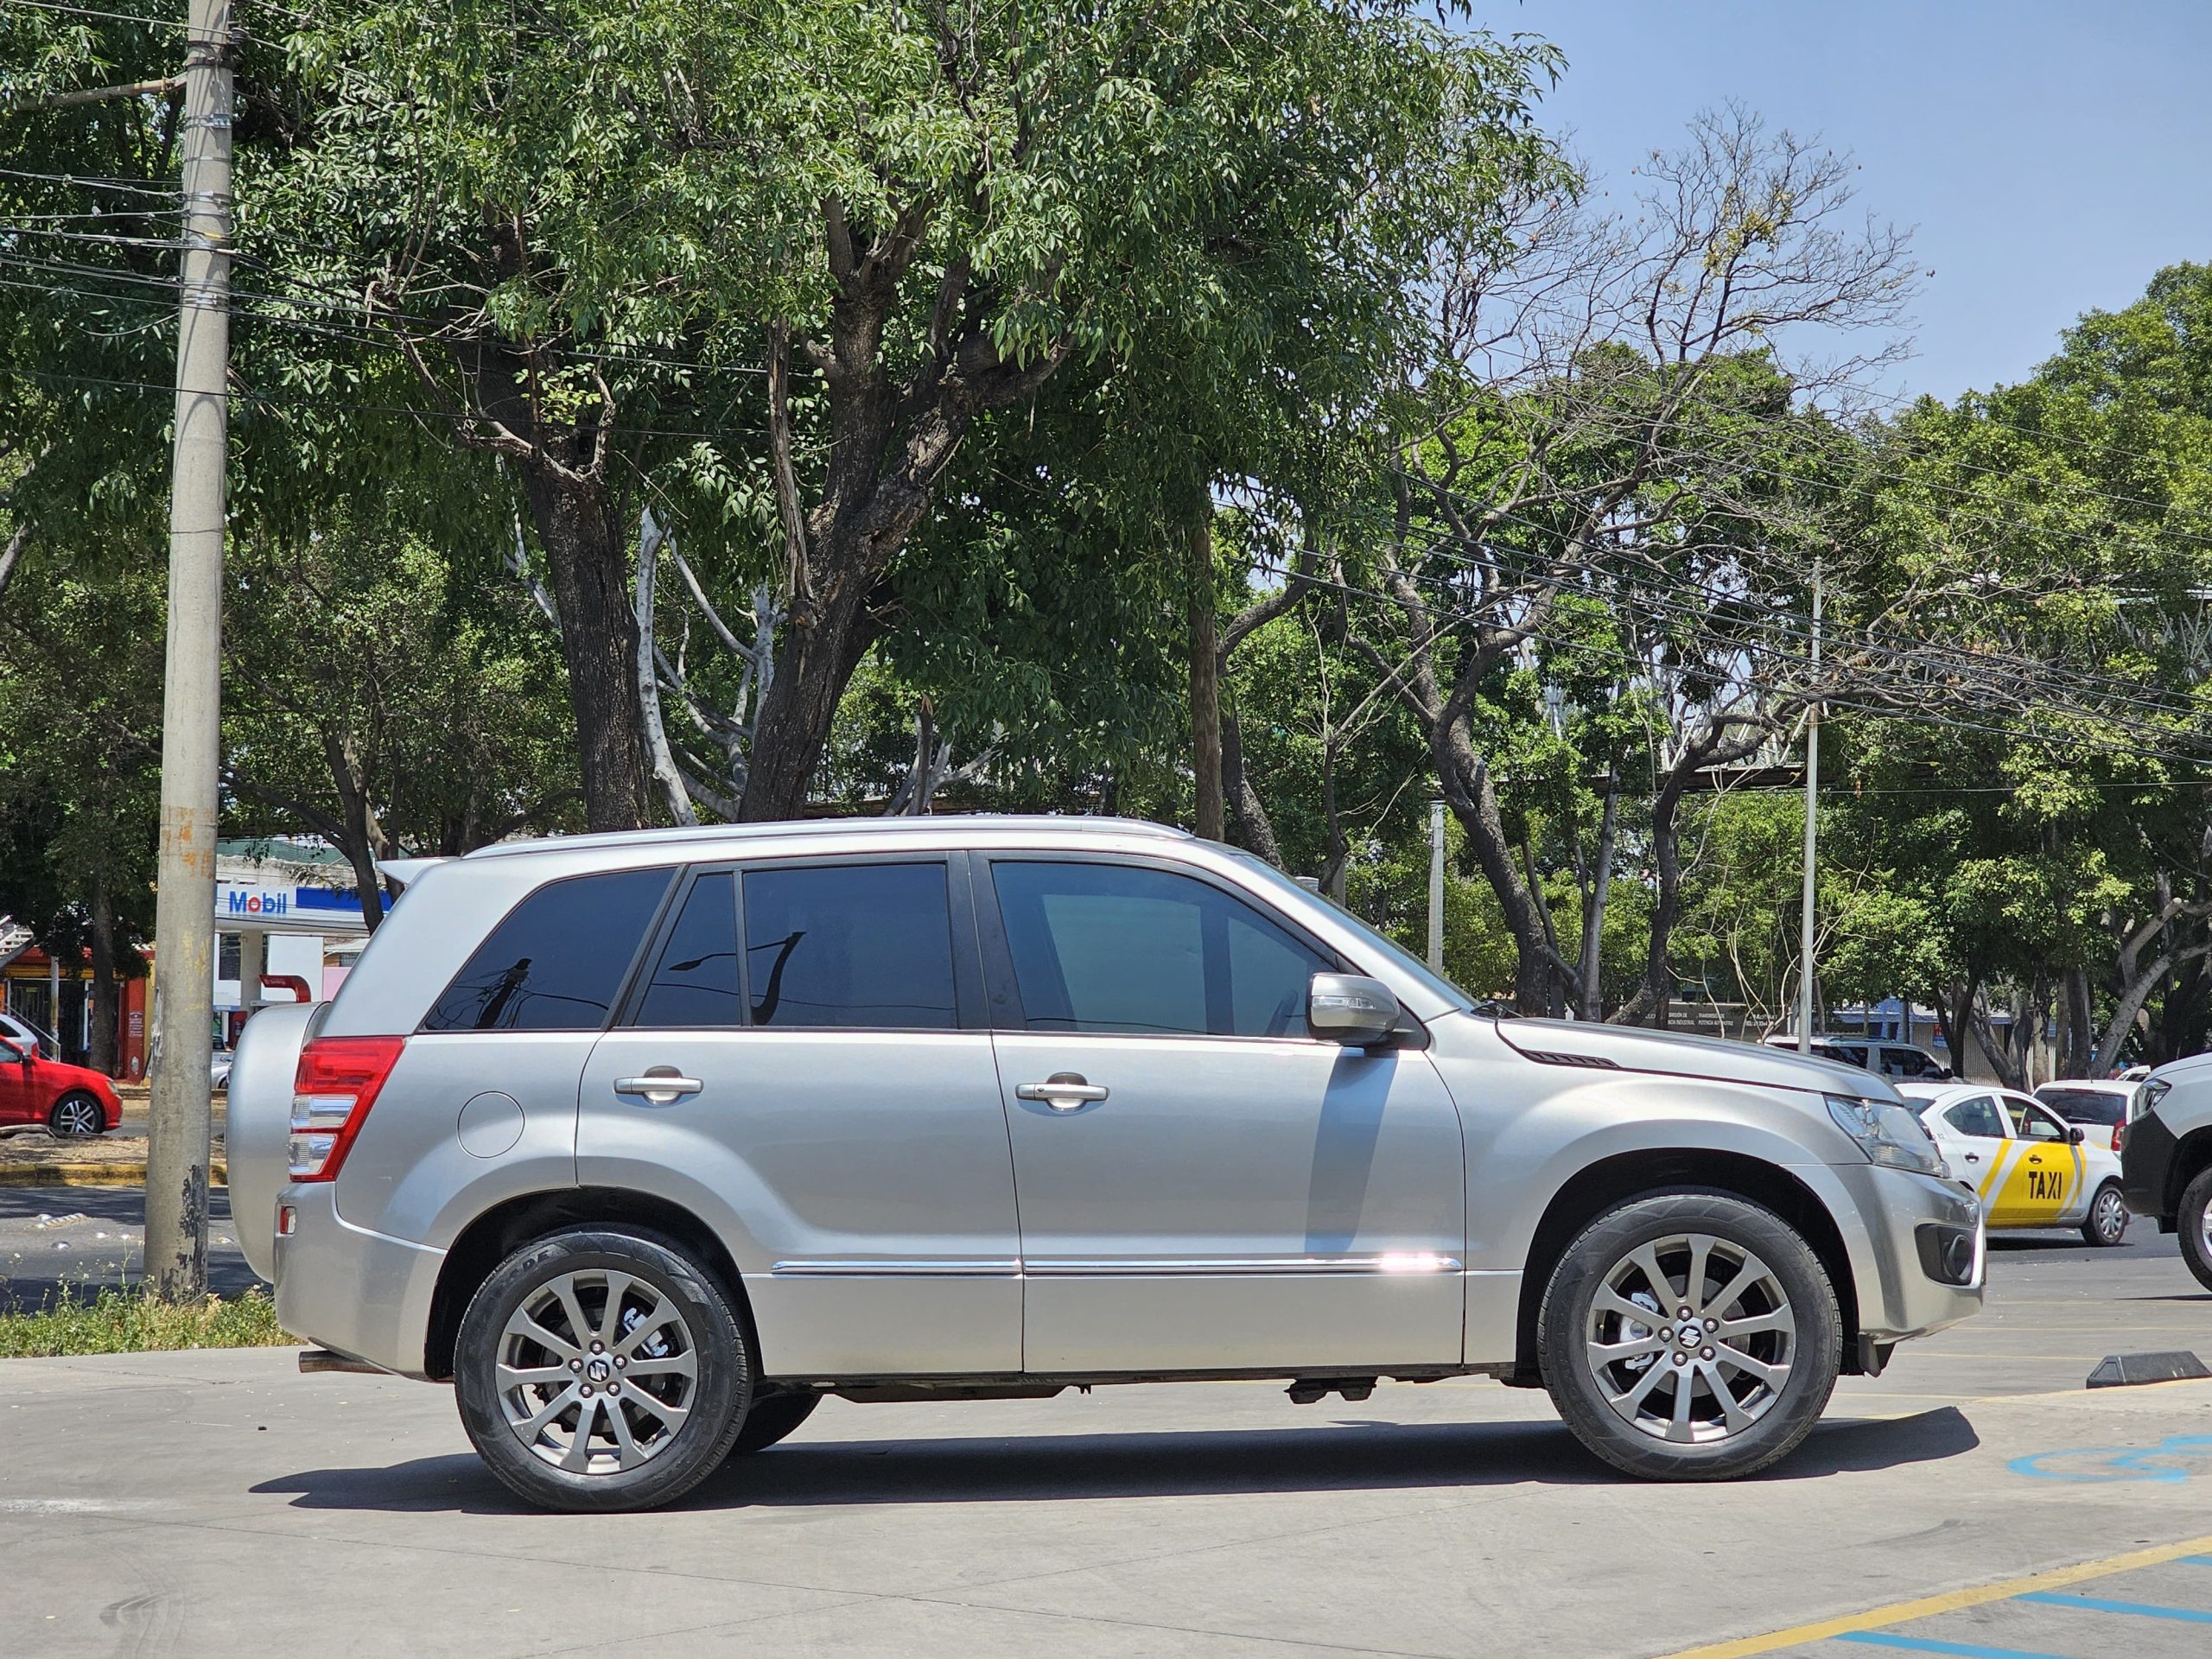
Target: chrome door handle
{"points": [[1063, 1091], [662, 1085], [1973, 1157]]}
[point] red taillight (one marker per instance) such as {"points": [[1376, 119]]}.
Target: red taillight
{"points": [[332, 1091], [2119, 1134]]}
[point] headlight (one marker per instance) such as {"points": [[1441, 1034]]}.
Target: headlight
{"points": [[1888, 1134], [2147, 1097]]}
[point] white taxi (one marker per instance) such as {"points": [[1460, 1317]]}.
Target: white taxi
{"points": [[2029, 1166]]}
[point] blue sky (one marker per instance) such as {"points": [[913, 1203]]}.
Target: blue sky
{"points": [[2050, 157]]}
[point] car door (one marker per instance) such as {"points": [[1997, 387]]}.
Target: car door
{"points": [[826, 1095], [2044, 1182], [17, 1068], [1976, 1139], [1204, 1186]]}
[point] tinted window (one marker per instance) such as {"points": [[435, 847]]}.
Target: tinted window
{"points": [[695, 982], [2086, 1105], [1909, 1063], [850, 945], [557, 962], [1849, 1053], [1978, 1116], [1104, 947]]}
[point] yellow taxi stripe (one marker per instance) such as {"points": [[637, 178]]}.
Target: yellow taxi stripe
{"points": [[1950, 1602], [1997, 1162]]}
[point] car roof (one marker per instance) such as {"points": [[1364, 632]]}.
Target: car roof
{"points": [[2095, 1086]]}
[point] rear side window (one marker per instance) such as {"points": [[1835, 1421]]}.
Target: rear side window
{"points": [[557, 962], [850, 945], [1909, 1063], [1109, 947]]}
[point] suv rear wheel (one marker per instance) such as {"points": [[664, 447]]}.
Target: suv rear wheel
{"points": [[1690, 1336], [602, 1370]]}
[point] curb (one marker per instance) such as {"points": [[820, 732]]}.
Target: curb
{"points": [[91, 1175]]}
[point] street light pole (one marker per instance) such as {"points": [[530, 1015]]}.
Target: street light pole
{"points": [[1436, 886], [1812, 828], [179, 1128]]}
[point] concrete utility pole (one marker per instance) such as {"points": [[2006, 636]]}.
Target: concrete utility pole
{"points": [[1812, 827], [1436, 886], [184, 917]]}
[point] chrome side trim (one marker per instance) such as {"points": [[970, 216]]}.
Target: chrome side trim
{"points": [[1388, 1261], [859, 1269]]}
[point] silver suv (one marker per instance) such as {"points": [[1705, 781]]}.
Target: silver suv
{"points": [[647, 1142]]}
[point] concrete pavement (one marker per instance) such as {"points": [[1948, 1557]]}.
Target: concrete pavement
{"points": [[195, 1503]]}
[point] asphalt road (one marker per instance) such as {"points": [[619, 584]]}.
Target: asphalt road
{"points": [[90, 1236], [196, 1504]]}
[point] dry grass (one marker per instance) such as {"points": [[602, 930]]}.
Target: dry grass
{"points": [[132, 1322]]}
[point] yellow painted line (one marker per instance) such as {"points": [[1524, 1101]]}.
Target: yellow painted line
{"points": [[89, 1175], [1950, 1602]]}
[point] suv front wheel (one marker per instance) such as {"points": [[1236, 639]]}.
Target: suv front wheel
{"points": [[1690, 1337], [602, 1370]]}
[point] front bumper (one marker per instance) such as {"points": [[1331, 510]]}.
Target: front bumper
{"points": [[363, 1294], [2147, 1161], [1903, 1299]]}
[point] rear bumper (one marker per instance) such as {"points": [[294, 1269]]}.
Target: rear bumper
{"points": [[2147, 1160], [1900, 1210], [359, 1293]]}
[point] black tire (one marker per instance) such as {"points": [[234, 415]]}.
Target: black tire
{"points": [[772, 1417], [2106, 1224], [66, 1121], [690, 1321], [1741, 1236], [2194, 1223]]}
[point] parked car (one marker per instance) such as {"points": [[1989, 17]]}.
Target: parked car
{"points": [[73, 1102], [219, 1068], [2167, 1159], [1901, 1061], [646, 1142], [2028, 1165], [37, 1038], [2101, 1108]]}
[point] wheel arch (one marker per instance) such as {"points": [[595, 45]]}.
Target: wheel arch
{"points": [[1609, 1182], [2192, 1157], [504, 1228]]}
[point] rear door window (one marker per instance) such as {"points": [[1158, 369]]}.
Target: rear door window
{"points": [[558, 960], [850, 945], [1976, 1117], [694, 982]]}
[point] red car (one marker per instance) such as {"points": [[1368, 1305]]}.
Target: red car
{"points": [[70, 1100]]}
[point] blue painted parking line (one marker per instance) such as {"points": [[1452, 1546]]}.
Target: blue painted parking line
{"points": [[2100, 1605], [1928, 1644]]}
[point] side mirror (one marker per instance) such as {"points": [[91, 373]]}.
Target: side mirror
{"points": [[1350, 1009], [2077, 1134]]}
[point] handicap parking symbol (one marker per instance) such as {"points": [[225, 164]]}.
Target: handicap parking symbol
{"points": [[2176, 1457]]}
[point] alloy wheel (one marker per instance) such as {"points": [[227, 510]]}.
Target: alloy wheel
{"points": [[78, 1118], [2109, 1215], [597, 1372], [1690, 1339]]}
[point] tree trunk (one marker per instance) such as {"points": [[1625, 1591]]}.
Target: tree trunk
{"points": [[1652, 1003], [1206, 678], [822, 646], [1254, 828], [103, 1047], [1468, 791], [587, 555]]}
